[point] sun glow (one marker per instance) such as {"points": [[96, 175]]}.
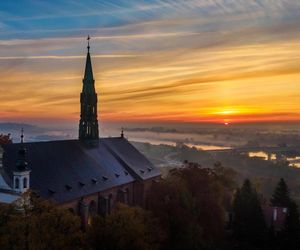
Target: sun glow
{"points": [[227, 112]]}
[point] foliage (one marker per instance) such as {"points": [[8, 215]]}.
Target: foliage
{"points": [[291, 232], [126, 228], [289, 238], [38, 224], [281, 195], [5, 139], [190, 206], [249, 224]]}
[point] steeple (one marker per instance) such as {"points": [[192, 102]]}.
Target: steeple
{"points": [[21, 175], [21, 164], [88, 73], [88, 125]]}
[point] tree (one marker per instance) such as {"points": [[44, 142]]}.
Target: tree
{"points": [[126, 228], [281, 195], [226, 177], [39, 224], [248, 224], [289, 237], [291, 232], [189, 204], [5, 139]]}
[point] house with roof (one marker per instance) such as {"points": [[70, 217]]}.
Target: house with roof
{"points": [[88, 175], [275, 217]]}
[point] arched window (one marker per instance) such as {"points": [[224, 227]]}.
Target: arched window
{"points": [[126, 198], [17, 183], [93, 208], [109, 203], [92, 211], [25, 182]]}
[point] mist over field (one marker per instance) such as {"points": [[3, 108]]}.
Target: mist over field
{"points": [[264, 134]]}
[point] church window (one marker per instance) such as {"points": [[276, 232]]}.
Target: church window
{"points": [[92, 211], [102, 205], [25, 182], [126, 198], [105, 205], [109, 201], [93, 208], [17, 183], [122, 196]]}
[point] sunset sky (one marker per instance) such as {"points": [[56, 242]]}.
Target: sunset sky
{"points": [[170, 60]]}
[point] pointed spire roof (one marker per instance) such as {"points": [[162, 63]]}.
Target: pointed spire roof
{"points": [[88, 73]]}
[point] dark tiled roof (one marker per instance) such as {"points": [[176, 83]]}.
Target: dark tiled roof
{"points": [[66, 170], [134, 162]]}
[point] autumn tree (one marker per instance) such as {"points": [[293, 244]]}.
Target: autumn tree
{"points": [[190, 206], [39, 224], [125, 228], [5, 139]]}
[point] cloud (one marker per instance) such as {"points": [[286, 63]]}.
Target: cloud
{"points": [[152, 59], [61, 57]]}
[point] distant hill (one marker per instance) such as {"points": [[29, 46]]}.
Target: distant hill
{"points": [[34, 133], [12, 127]]}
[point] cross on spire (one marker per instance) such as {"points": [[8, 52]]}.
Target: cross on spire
{"points": [[88, 39], [22, 135]]}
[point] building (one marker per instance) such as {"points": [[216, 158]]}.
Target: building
{"points": [[275, 217], [88, 175]]}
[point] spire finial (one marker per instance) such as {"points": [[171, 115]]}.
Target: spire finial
{"points": [[22, 135], [122, 132], [88, 39]]}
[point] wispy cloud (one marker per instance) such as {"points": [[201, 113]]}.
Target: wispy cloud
{"points": [[177, 60], [61, 57]]}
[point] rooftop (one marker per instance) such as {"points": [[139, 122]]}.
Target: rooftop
{"points": [[66, 170]]}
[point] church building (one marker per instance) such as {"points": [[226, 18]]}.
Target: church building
{"points": [[88, 175]]}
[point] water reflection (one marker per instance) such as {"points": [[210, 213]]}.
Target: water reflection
{"points": [[262, 154], [190, 145], [293, 161], [207, 147]]}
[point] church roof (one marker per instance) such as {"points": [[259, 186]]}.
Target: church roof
{"points": [[67, 170]]}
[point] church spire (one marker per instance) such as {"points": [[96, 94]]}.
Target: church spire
{"points": [[21, 174], [88, 125], [88, 73], [21, 164]]}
